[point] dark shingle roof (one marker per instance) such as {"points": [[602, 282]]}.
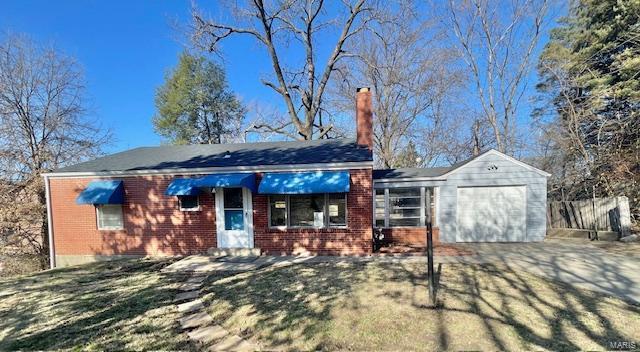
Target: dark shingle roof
{"points": [[241, 154], [410, 172]]}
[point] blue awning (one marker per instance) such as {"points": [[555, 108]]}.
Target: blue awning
{"points": [[183, 187], [192, 186], [247, 180], [304, 182], [102, 192]]}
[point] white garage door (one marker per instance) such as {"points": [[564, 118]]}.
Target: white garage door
{"points": [[492, 214]]}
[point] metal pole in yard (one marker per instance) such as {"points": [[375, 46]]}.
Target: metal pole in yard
{"points": [[430, 276]]}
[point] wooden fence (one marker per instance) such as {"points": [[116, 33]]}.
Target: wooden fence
{"points": [[606, 214]]}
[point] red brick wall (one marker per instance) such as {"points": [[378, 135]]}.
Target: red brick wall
{"points": [[154, 224], [355, 239], [416, 236]]}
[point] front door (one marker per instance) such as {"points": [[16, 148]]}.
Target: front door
{"points": [[234, 220]]}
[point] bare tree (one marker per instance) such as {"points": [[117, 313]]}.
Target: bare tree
{"points": [[292, 25], [42, 128], [412, 78], [497, 40]]}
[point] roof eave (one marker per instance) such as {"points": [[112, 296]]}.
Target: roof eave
{"points": [[190, 171]]}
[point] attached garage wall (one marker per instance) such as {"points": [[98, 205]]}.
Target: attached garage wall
{"points": [[494, 170]]}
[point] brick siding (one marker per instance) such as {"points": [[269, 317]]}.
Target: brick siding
{"points": [[414, 236], [154, 224], [355, 239]]}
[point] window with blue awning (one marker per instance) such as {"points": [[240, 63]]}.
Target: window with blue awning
{"points": [[193, 186], [102, 192], [305, 182]]}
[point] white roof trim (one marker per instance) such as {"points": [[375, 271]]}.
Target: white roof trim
{"points": [[409, 179], [505, 156], [213, 170]]}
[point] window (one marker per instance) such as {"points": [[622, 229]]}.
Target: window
{"points": [[110, 217], [278, 211], [233, 209], [403, 207], [189, 203], [380, 208], [308, 210], [337, 209]]}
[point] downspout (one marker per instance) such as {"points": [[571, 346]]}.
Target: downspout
{"points": [[52, 251]]}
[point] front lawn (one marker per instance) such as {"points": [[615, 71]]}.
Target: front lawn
{"points": [[128, 305], [120, 305], [382, 306]]}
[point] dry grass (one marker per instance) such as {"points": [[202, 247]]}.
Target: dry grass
{"points": [[382, 306], [120, 305]]}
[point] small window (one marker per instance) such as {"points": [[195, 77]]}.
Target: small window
{"points": [[110, 217], [379, 208], [337, 209], [278, 211], [189, 203]]}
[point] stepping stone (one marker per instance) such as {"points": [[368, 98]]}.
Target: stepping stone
{"points": [[190, 306], [233, 343], [195, 320], [208, 334], [196, 279], [186, 295], [190, 286]]}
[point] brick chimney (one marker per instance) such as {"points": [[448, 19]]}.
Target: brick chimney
{"points": [[364, 118]]}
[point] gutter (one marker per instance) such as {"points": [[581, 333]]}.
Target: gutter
{"points": [[52, 250]]}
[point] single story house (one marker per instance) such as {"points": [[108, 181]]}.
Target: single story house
{"points": [[317, 197]]}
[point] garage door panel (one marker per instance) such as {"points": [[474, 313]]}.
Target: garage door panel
{"points": [[491, 214]]}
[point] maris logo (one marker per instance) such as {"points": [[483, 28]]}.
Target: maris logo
{"points": [[622, 345]]}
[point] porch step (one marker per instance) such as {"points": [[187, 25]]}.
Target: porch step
{"points": [[235, 252]]}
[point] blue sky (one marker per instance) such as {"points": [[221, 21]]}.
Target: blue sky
{"points": [[125, 48]]}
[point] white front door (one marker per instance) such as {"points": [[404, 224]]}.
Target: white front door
{"points": [[234, 218]]}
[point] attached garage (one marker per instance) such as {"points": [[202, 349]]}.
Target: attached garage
{"points": [[489, 198]]}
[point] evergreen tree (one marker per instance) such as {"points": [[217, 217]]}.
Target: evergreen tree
{"points": [[408, 157], [195, 104], [590, 73]]}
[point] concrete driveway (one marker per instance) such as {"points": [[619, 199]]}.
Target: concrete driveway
{"points": [[574, 262]]}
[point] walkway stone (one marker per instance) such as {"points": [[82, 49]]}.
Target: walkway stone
{"points": [[233, 343], [190, 306], [195, 320], [190, 286], [186, 296], [197, 323], [196, 279], [208, 334]]}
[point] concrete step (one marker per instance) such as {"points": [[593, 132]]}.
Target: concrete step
{"points": [[208, 334], [234, 343], [195, 320], [236, 252]]}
